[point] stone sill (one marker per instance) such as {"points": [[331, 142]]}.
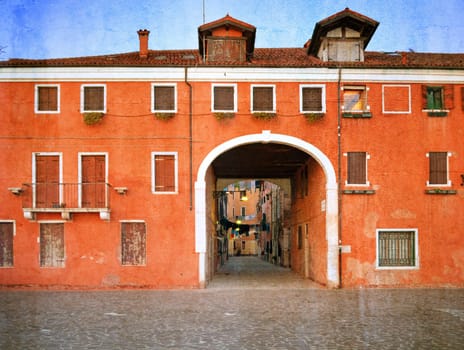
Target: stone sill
{"points": [[357, 115], [439, 191], [358, 191]]}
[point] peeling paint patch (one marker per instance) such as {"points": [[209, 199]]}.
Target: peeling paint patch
{"points": [[403, 214], [370, 224], [98, 258], [110, 280]]}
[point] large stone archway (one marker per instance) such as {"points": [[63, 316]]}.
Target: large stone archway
{"points": [[331, 198]]}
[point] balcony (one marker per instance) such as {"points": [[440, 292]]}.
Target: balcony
{"points": [[66, 198]]}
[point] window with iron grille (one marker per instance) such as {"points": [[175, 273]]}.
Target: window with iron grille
{"points": [[47, 99], [312, 99], [397, 248], [224, 98], [52, 245], [6, 243], [93, 98], [262, 98], [164, 98], [133, 243], [438, 169], [357, 168], [355, 99], [164, 172]]}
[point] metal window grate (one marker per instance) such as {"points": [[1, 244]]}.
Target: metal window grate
{"points": [[396, 248]]}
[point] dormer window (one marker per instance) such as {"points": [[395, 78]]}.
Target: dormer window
{"points": [[342, 44]]}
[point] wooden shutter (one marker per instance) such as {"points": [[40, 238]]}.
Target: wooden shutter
{"points": [[94, 98], [6, 244], [133, 243], [223, 98], [438, 168], [51, 245], [164, 98], [93, 181], [47, 177], [47, 98], [263, 99], [448, 95], [424, 97], [165, 173], [357, 172], [312, 99]]}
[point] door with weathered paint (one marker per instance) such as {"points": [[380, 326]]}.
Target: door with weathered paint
{"points": [[133, 243], [52, 245], [6, 244], [93, 181], [47, 181]]}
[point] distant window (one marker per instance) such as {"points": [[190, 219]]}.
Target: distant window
{"points": [[133, 243], [262, 98], [397, 248], [355, 99], [93, 98], [52, 245], [357, 168], [438, 169], [47, 99], [435, 97], [164, 168], [164, 98], [6, 243], [300, 237], [224, 98], [312, 99], [243, 211], [437, 100], [396, 99]]}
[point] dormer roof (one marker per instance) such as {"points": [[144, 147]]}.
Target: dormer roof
{"points": [[228, 22], [347, 18]]}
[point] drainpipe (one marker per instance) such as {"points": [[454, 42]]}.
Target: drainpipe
{"points": [[339, 132], [190, 138]]}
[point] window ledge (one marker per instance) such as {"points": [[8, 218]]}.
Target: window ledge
{"points": [[358, 191], [440, 191], [357, 115], [436, 112]]}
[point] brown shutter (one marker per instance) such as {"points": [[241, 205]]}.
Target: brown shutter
{"points": [[94, 98], [357, 173], [6, 244], [448, 94], [312, 99], [51, 245], [438, 168], [48, 98], [47, 172], [223, 98], [93, 181], [164, 173], [164, 98], [263, 98], [424, 97]]}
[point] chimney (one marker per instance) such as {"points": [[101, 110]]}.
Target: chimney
{"points": [[143, 40]]}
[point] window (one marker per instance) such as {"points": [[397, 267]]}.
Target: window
{"points": [[47, 99], [262, 98], [312, 98], [164, 98], [133, 243], [437, 99], [438, 169], [300, 237], [52, 245], [357, 168], [224, 98], [164, 172], [434, 98], [396, 99], [93, 98], [355, 99], [397, 248], [243, 211], [47, 179], [7, 231], [344, 50]]}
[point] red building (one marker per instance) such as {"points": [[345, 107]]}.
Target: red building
{"points": [[110, 163]]}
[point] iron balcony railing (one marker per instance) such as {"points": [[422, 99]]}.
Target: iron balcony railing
{"points": [[53, 196]]}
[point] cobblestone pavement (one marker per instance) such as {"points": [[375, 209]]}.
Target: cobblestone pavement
{"points": [[249, 305]]}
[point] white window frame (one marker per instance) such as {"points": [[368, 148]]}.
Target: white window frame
{"points": [[234, 86], [36, 99], [79, 173], [273, 98], [416, 250], [153, 110], [34, 174], [448, 182], [83, 86], [153, 184], [396, 86], [364, 88], [321, 86], [367, 184]]}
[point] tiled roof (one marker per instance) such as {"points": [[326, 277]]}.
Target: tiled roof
{"points": [[262, 57]]}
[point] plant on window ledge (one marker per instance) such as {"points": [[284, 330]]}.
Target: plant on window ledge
{"points": [[224, 115], [312, 117], [164, 115], [91, 118], [264, 115]]}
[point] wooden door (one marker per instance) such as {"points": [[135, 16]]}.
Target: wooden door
{"points": [[93, 181], [47, 179], [52, 245]]}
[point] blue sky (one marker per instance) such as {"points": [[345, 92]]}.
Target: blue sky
{"points": [[69, 28]]}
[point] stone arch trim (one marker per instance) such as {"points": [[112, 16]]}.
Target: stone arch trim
{"points": [[268, 137]]}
